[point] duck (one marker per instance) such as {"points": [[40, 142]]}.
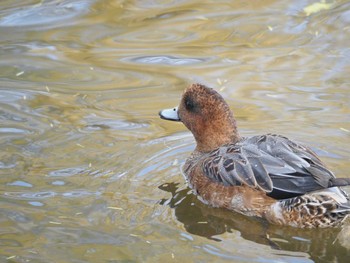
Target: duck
{"points": [[266, 176]]}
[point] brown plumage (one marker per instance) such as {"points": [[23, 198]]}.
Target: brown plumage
{"points": [[268, 176]]}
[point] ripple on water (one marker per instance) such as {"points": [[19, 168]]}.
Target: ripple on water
{"points": [[121, 124], [170, 148], [96, 125], [19, 119], [166, 60], [58, 182], [66, 172], [12, 130], [114, 125], [8, 165], [30, 195], [16, 216], [49, 15], [20, 183], [10, 96], [49, 194], [36, 203], [69, 235], [56, 74]]}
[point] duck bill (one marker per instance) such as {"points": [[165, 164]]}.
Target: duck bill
{"points": [[170, 114]]}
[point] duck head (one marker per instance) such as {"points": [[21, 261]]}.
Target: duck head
{"points": [[206, 114]]}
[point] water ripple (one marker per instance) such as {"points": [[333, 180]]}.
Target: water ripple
{"points": [[12, 130], [166, 60], [20, 183], [51, 14], [66, 172], [48, 194], [115, 125], [86, 160], [30, 195]]}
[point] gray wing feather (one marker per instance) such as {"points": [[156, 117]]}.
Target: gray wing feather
{"points": [[271, 163], [261, 174]]}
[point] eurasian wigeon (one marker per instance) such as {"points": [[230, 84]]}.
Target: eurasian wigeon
{"points": [[267, 176]]}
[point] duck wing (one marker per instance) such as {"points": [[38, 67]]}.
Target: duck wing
{"points": [[228, 165], [272, 163]]}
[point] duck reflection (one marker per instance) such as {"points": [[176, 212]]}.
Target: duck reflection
{"points": [[202, 220]]}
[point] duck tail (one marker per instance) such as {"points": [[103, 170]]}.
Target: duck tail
{"points": [[323, 208], [339, 182]]}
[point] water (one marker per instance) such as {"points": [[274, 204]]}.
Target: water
{"points": [[89, 173]]}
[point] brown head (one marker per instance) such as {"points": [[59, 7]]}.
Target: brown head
{"points": [[206, 114]]}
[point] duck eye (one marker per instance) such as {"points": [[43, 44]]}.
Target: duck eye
{"points": [[189, 104]]}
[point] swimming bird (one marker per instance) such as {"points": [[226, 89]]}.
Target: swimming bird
{"points": [[267, 176]]}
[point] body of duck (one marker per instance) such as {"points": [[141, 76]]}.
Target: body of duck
{"points": [[268, 176]]}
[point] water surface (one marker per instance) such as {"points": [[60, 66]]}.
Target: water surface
{"points": [[89, 173]]}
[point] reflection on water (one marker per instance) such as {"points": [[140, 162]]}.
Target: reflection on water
{"points": [[89, 172], [213, 222]]}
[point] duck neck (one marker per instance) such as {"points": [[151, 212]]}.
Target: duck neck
{"points": [[216, 135]]}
